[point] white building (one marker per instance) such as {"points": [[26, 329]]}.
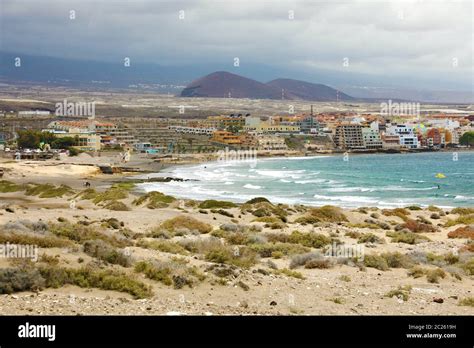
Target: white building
{"points": [[444, 123], [193, 130], [406, 134]]}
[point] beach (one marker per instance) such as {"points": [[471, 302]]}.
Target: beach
{"points": [[183, 256]]}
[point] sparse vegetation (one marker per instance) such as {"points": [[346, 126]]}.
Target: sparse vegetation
{"points": [[39, 240], [376, 261], [327, 213], [467, 219], [402, 292], [186, 223], [213, 204], [370, 238], [154, 200], [103, 251], [47, 190], [432, 275], [468, 301], [399, 212], [397, 260], [170, 273], [290, 273], [345, 278], [8, 186], [406, 237], [164, 246]]}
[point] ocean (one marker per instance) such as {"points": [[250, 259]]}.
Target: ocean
{"points": [[382, 180]]}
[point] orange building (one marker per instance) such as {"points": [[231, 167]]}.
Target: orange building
{"points": [[225, 137]]}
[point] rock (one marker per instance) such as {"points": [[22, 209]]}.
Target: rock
{"points": [[438, 300], [273, 303], [244, 286]]}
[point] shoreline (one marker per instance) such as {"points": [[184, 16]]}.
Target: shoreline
{"points": [[169, 174], [198, 240]]}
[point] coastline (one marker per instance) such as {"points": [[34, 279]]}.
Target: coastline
{"points": [[255, 283], [187, 172]]}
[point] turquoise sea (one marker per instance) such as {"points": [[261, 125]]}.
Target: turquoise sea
{"points": [[383, 180]]}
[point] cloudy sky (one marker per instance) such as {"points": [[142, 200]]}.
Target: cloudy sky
{"points": [[428, 42]]}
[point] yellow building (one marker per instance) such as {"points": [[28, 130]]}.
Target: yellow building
{"points": [[84, 141], [225, 137]]}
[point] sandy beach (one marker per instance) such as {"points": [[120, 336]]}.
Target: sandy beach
{"points": [[178, 256]]}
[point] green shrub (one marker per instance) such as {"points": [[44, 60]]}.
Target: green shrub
{"points": [[345, 278], [154, 200], [311, 240], [399, 212], [277, 249], [188, 223], [116, 206], [213, 204], [40, 241], [8, 186], [370, 238], [376, 261], [397, 260], [290, 273], [240, 257], [401, 292], [262, 209], [414, 207], [89, 278], [20, 279], [114, 193], [103, 251], [467, 219], [319, 263], [416, 272], [164, 246], [327, 213], [257, 200], [462, 211], [48, 190], [468, 301], [158, 272], [81, 233], [406, 237], [433, 275]]}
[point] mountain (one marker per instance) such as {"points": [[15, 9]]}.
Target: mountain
{"points": [[295, 89], [222, 84]]}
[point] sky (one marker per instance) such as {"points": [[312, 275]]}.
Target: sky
{"points": [[425, 42]]}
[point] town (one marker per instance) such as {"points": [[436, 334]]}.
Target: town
{"points": [[280, 134]]}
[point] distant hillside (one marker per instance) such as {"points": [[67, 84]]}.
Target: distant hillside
{"points": [[295, 89], [223, 84]]}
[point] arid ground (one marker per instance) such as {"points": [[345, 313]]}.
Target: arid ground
{"points": [[111, 249]]}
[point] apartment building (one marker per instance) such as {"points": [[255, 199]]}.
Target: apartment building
{"points": [[226, 138], [349, 136], [372, 138], [406, 134], [271, 142]]}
